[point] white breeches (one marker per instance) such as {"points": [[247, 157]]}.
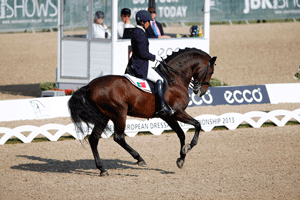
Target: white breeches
{"points": [[153, 75]]}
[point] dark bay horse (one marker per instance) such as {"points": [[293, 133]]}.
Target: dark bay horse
{"points": [[114, 97]]}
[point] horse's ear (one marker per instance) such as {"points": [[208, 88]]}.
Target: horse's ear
{"points": [[213, 60]]}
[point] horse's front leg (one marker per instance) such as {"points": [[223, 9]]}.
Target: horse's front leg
{"points": [[175, 126], [186, 118]]}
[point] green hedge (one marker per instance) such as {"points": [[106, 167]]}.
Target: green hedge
{"points": [[215, 82], [47, 86]]}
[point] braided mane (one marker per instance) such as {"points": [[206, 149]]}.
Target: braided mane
{"points": [[181, 51]]}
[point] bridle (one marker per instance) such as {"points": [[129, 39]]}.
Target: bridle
{"points": [[195, 85]]}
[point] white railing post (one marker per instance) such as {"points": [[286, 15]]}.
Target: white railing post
{"points": [[206, 19], [114, 17]]}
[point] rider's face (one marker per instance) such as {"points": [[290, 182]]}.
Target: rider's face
{"points": [[147, 24]]}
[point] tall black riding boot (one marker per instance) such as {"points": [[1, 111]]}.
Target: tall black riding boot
{"points": [[163, 108]]}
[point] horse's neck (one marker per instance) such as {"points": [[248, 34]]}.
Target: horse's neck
{"points": [[187, 71], [184, 76]]}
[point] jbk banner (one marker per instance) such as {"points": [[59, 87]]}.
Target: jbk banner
{"points": [[224, 10], [239, 95]]}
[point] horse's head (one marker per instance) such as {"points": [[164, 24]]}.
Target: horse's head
{"points": [[191, 63], [202, 77]]}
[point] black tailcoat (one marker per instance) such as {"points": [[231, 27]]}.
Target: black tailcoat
{"points": [[140, 52]]}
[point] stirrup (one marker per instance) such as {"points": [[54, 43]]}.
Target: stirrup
{"points": [[165, 111]]}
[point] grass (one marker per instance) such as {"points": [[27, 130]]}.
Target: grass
{"points": [[215, 82]]}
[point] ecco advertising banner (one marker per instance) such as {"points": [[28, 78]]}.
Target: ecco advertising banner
{"points": [[52, 107], [239, 95]]}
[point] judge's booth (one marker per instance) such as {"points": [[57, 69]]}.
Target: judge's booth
{"points": [[81, 57]]}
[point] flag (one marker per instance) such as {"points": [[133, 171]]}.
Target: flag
{"points": [[141, 84]]}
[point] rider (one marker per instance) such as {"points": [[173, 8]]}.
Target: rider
{"points": [[141, 57]]}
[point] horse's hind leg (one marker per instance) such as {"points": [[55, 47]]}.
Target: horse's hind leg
{"points": [[119, 137], [93, 140]]}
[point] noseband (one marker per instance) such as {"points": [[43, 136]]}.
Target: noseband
{"points": [[196, 85]]}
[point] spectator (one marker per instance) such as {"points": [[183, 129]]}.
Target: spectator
{"points": [[99, 29], [125, 23], [155, 30]]}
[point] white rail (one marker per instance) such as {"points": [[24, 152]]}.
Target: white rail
{"points": [[155, 126]]}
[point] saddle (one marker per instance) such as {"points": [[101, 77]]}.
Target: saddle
{"points": [[143, 84]]}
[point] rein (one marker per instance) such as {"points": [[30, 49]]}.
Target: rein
{"points": [[168, 69], [194, 85]]}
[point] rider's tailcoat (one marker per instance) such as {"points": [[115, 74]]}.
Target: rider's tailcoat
{"points": [[140, 52]]}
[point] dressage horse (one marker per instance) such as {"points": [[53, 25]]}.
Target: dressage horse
{"points": [[113, 97]]}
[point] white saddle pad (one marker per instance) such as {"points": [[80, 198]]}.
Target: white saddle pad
{"points": [[139, 83]]}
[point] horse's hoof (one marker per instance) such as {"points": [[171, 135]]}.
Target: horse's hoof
{"points": [[103, 174], [180, 163], [186, 148], [142, 163]]}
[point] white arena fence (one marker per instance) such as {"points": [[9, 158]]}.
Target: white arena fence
{"points": [[155, 126], [52, 107]]}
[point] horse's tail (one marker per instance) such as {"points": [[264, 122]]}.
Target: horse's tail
{"points": [[82, 109]]}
